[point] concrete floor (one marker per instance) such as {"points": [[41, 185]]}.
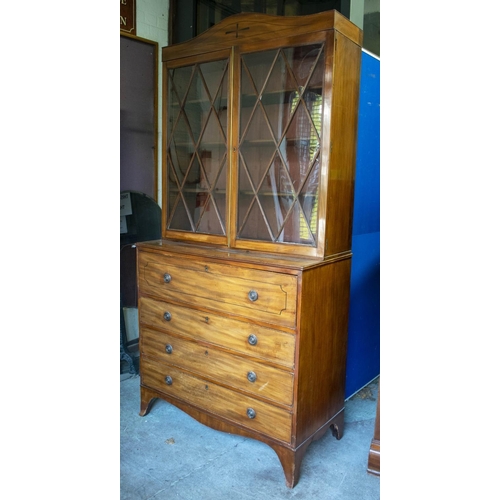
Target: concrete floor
{"points": [[167, 454]]}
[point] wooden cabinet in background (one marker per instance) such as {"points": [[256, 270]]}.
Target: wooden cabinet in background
{"points": [[243, 303], [374, 453]]}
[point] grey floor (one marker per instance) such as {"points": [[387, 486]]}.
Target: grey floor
{"points": [[167, 454]]}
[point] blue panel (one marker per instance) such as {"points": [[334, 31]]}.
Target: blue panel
{"points": [[367, 190], [363, 350]]}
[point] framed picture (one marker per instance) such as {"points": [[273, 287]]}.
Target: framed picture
{"points": [[127, 16], [138, 115]]}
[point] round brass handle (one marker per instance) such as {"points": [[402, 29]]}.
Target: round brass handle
{"points": [[251, 413], [251, 376], [167, 316], [167, 278], [252, 339], [168, 349], [253, 295], [168, 380]]}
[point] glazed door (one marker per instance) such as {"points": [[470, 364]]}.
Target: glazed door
{"points": [[280, 137], [196, 148]]}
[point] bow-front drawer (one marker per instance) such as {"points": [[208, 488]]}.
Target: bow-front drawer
{"points": [[236, 407], [243, 337], [223, 367], [270, 296]]}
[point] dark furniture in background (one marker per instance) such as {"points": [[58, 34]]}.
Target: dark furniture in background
{"points": [[374, 453], [144, 223]]}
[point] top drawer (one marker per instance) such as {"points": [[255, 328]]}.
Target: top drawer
{"points": [[253, 293]]}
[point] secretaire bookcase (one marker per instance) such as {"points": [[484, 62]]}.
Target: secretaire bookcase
{"points": [[243, 302]]}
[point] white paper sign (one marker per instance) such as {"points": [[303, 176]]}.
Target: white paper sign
{"points": [[125, 204]]}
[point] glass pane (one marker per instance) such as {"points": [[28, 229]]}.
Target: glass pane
{"points": [[280, 141], [197, 147]]}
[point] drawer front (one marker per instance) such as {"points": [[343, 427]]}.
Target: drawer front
{"points": [[240, 336], [228, 369], [226, 403], [270, 296]]}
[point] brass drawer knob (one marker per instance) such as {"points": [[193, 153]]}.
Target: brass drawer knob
{"points": [[168, 349], [168, 380], [253, 295], [251, 376], [167, 316], [251, 413], [252, 339], [167, 278]]}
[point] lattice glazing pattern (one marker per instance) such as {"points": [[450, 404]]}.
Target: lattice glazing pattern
{"points": [[280, 144], [197, 147]]}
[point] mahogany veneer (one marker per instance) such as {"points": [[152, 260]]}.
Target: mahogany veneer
{"points": [[243, 303], [202, 337]]}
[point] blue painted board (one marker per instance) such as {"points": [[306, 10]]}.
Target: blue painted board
{"points": [[363, 350]]}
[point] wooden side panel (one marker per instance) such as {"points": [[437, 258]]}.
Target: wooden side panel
{"points": [[322, 345], [346, 76]]}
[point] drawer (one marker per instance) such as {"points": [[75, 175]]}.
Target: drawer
{"points": [[244, 410], [252, 293], [226, 368], [246, 338]]}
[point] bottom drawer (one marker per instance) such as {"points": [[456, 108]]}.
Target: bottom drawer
{"points": [[244, 410]]}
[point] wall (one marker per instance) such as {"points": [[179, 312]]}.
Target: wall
{"points": [[152, 20], [366, 15], [363, 350]]}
